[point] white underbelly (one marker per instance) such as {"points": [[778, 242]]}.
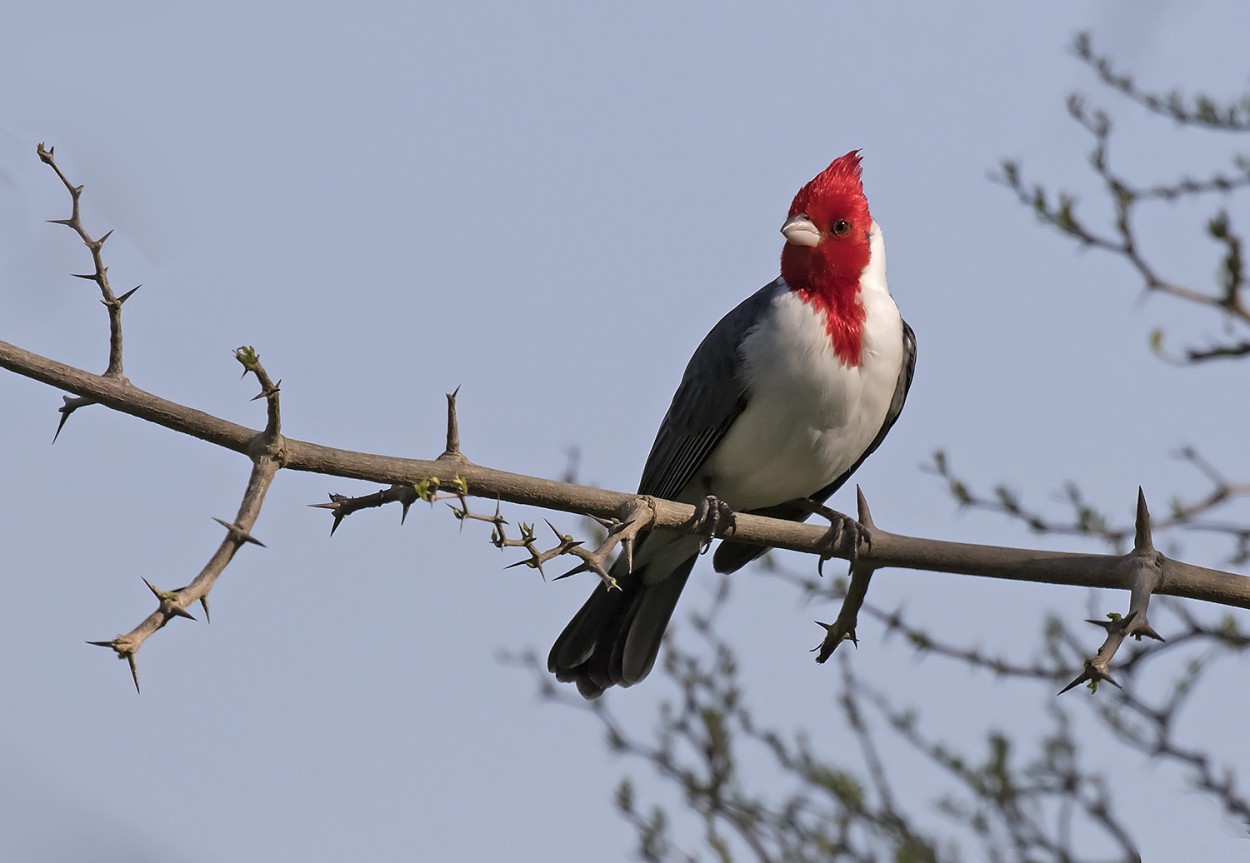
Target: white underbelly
{"points": [[810, 417]]}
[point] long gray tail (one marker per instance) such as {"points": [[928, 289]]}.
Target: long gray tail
{"points": [[615, 637]]}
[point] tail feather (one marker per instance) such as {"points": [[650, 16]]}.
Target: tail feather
{"points": [[615, 638]]}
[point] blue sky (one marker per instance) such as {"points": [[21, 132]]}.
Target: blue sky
{"points": [[548, 205]]}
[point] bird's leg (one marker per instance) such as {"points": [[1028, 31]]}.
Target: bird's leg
{"points": [[713, 517], [845, 533]]}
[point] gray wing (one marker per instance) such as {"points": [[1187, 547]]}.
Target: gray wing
{"points": [[731, 556], [712, 394]]}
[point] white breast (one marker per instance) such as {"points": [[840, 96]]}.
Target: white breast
{"points": [[810, 416]]}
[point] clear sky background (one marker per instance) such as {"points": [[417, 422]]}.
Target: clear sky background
{"points": [[548, 205]]}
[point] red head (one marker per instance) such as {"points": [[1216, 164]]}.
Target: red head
{"points": [[827, 249]]}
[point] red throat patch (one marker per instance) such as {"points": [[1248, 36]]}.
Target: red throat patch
{"points": [[827, 276], [844, 325]]}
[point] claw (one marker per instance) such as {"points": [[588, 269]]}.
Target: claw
{"points": [[714, 518], [840, 527]]}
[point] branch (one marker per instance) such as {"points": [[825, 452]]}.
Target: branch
{"points": [[100, 276], [1200, 110], [887, 549], [1089, 520], [1121, 237], [266, 453]]}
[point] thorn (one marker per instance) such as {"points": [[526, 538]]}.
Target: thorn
{"points": [[1076, 681], [861, 503], [1114, 622], [405, 504], [128, 654], [100, 242], [90, 278], [461, 514], [167, 600], [338, 519], [534, 561], [1148, 631], [580, 568], [204, 604], [130, 293], [1142, 542], [69, 223], [560, 536], [64, 412], [830, 643], [453, 427], [238, 533], [1094, 677], [1109, 679]]}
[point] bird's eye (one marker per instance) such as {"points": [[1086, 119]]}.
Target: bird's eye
{"points": [[841, 226]]}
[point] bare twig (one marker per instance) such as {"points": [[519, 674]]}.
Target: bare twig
{"points": [[1126, 197], [1200, 110], [1088, 520]]}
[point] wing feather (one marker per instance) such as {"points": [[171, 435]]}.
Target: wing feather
{"points": [[712, 394]]}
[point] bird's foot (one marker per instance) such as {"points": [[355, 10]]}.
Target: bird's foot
{"points": [[714, 518], [846, 537]]}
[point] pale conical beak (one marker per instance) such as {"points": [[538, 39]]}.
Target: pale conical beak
{"points": [[799, 231]]}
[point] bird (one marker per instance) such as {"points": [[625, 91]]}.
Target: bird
{"points": [[781, 402]]}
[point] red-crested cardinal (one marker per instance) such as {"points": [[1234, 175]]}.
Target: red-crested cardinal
{"points": [[782, 401]]}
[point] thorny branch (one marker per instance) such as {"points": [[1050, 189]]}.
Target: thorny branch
{"points": [[887, 550], [266, 452], [1144, 567], [100, 276], [843, 628]]}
